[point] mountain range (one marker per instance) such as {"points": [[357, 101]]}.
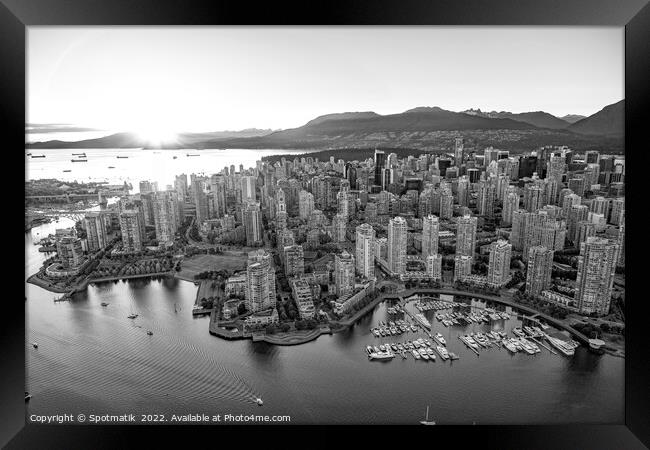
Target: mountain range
{"points": [[417, 128]]}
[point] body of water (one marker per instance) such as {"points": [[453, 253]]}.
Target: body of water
{"points": [[152, 165], [94, 360]]}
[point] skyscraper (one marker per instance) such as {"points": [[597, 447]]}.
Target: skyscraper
{"points": [[533, 198], [510, 205], [466, 235], [95, 231], [584, 230], [540, 267], [260, 281], [618, 210], [344, 273], [248, 188], [253, 224], [462, 267], [434, 266], [294, 262], [200, 200], [577, 213], [486, 197], [518, 233], [165, 213], [69, 251], [569, 201], [499, 265], [446, 203], [596, 265], [459, 151], [131, 231], [339, 228], [397, 236], [463, 191], [380, 164], [430, 228], [305, 204], [365, 245]]}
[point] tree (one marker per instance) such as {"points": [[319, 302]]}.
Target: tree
{"points": [[270, 329], [241, 308], [285, 327], [300, 324]]}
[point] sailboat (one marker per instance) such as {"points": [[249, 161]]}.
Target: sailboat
{"points": [[426, 420]]}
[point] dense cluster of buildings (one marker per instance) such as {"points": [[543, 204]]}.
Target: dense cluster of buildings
{"points": [[413, 218]]}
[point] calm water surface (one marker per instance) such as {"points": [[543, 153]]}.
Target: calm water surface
{"points": [[93, 360], [153, 165]]}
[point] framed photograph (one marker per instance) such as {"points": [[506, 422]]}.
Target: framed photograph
{"points": [[385, 214]]}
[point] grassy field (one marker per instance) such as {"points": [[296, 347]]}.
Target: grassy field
{"points": [[200, 263]]}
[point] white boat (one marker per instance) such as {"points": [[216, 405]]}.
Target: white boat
{"points": [[438, 337], [509, 345], [369, 350], [442, 352], [259, 401], [563, 347], [381, 355], [423, 320], [426, 420], [415, 354]]}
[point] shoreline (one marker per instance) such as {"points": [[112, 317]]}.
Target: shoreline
{"points": [[35, 280]]}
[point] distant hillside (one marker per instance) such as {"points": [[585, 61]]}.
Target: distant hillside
{"points": [[608, 121], [539, 119], [424, 128], [572, 118], [132, 140], [419, 124], [342, 116]]}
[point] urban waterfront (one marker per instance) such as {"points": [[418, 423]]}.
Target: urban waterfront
{"points": [[92, 359], [134, 165]]}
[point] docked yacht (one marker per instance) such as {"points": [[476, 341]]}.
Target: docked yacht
{"points": [[381, 355], [438, 337]]}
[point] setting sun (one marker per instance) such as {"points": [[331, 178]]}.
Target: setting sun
{"points": [[157, 136]]}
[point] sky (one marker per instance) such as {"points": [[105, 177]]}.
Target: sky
{"points": [[173, 79]]}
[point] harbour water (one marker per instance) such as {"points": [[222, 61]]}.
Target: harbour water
{"points": [[92, 359], [135, 165]]}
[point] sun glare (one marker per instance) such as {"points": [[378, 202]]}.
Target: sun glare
{"points": [[156, 136]]}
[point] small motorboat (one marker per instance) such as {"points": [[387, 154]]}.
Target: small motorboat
{"points": [[104, 304], [34, 344], [27, 396], [132, 316], [150, 333], [259, 401]]}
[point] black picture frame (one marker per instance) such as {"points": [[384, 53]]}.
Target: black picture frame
{"points": [[15, 15]]}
